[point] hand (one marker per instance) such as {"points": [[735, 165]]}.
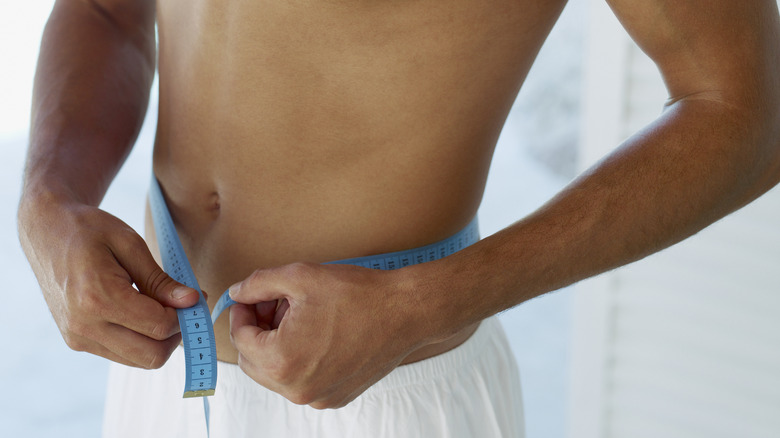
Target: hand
{"points": [[337, 330], [87, 262]]}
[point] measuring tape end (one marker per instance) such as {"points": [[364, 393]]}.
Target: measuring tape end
{"points": [[199, 393]]}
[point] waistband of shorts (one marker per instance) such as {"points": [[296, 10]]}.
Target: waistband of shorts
{"points": [[445, 364], [424, 371]]}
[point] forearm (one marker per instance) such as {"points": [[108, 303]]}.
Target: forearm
{"points": [[90, 96], [698, 162]]}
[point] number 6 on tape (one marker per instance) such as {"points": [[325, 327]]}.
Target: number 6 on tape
{"points": [[197, 331]]}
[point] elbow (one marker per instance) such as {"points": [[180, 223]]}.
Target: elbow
{"points": [[770, 126], [767, 137], [769, 97]]}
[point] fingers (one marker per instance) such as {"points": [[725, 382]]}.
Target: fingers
{"points": [[143, 315], [252, 341], [258, 374], [105, 294], [265, 313], [264, 356], [284, 306], [255, 346], [95, 317], [267, 290], [124, 346], [273, 284], [112, 319], [78, 343], [151, 280], [327, 341], [144, 352], [242, 318], [86, 262]]}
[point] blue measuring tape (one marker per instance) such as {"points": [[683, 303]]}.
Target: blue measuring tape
{"points": [[394, 260], [197, 329]]}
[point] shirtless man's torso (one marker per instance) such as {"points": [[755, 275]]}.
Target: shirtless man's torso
{"points": [[321, 130], [292, 133]]}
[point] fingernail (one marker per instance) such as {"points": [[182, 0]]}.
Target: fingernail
{"points": [[233, 290], [180, 292]]}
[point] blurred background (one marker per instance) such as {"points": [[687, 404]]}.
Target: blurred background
{"points": [[685, 343]]}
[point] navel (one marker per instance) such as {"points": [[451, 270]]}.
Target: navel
{"points": [[213, 204]]}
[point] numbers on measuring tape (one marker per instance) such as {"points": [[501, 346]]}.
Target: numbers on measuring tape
{"points": [[200, 373], [196, 323], [198, 342]]}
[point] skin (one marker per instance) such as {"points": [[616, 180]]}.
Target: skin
{"points": [[293, 133]]}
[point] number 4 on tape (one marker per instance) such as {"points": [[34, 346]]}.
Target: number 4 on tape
{"points": [[197, 330]]}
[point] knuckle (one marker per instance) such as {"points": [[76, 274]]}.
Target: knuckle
{"points": [[76, 329], [74, 342], [84, 295], [160, 331], [243, 364], [155, 359], [154, 363], [300, 267], [156, 279], [278, 374], [297, 389], [282, 371], [129, 239], [85, 301], [299, 270], [320, 405], [135, 240], [302, 396], [254, 277]]}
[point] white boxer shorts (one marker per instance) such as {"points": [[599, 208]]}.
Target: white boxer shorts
{"points": [[472, 391]]}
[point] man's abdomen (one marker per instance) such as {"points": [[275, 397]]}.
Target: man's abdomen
{"points": [[327, 130]]}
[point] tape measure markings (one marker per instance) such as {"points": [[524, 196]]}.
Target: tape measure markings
{"points": [[196, 323], [197, 331], [394, 260]]}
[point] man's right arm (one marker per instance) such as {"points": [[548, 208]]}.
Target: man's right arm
{"points": [[92, 84]]}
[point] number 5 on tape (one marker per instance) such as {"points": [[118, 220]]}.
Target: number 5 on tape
{"points": [[197, 331]]}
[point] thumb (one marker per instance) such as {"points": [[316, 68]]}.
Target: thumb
{"points": [[153, 282], [168, 291], [270, 284]]}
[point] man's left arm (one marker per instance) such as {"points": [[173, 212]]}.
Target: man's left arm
{"points": [[715, 148]]}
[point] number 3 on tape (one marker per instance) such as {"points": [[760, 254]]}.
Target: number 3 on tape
{"points": [[197, 330]]}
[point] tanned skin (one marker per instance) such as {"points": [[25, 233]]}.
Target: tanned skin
{"points": [[294, 133]]}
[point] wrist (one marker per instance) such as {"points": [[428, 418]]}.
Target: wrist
{"points": [[38, 199], [431, 302], [41, 208]]}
